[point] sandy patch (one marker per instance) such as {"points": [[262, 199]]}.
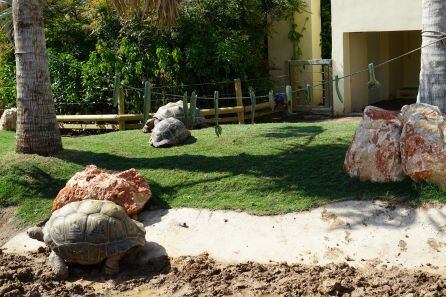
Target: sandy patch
{"points": [[360, 231], [8, 225]]}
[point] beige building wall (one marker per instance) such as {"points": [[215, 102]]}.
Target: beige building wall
{"points": [[376, 47], [311, 49], [366, 31], [358, 57], [311, 20], [280, 48]]}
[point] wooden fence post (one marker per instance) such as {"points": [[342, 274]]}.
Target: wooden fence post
{"points": [[239, 95], [309, 93], [218, 129], [116, 87], [289, 96], [272, 104], [164, 98], [186, 110], [252, 95], [121, 108], [147, 101], [193, 109]]}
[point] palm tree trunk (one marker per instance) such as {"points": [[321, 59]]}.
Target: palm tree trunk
{"points": [[433, 57], [37, 128]]}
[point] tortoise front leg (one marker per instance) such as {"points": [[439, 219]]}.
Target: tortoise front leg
{"points": [[58, 265], [148, 127], [112, 264]]}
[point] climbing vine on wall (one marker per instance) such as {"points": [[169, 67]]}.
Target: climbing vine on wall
{"points": [[295, 36]]}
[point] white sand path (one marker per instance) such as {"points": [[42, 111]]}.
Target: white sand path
{"points": [[359, 232]]}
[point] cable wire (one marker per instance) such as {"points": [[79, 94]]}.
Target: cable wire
{"points": [[440, 37]]}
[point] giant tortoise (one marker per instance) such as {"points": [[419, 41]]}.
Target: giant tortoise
{"points": [[173, 110], [88, 232], [169, 132]]}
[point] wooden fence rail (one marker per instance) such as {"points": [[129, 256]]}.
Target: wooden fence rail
{"points": [[123, 121], [116, 121]]}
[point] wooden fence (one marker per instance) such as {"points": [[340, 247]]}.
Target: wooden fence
{"points": [[122, 121]]}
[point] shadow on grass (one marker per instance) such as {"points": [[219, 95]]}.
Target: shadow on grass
{"points": [[309, 169], [293, 131], [31, 187], [27, 181], [312, 171]]}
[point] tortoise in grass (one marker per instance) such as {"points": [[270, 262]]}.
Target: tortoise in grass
{"points": [[169, 132], [88, 232], [174, 110]]}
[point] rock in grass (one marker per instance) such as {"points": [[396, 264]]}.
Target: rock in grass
{"points": [[423, 149], [169, 132], [8, 120], [128, 189], [374, 154]]}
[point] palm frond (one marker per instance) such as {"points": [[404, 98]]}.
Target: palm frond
{"points": [[164, 10], [6, 23], [7, 13]]}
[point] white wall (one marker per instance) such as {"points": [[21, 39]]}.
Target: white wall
{"points": [[366, 16]]}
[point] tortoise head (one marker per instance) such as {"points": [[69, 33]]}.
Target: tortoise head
{"points": [[35, 233]]}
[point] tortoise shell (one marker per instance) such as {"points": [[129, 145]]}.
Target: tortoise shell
{"points": [[175, 110], [169, 132], [89, 231]]}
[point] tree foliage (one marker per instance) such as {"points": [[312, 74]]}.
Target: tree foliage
{"points": [[89, 42], [326, 28]]}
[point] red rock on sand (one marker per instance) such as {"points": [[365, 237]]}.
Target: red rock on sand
{"points": [[128, 189], [374, 154], [423, 150]]}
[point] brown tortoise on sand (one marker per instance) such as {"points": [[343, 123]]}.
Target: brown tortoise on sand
{"points": [[89, 232]]}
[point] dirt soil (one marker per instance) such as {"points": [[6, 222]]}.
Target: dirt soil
{"points": [[201, 276], [8, 224]]}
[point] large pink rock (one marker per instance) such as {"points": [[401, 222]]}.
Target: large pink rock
{"points": [[423, 149], [127, 189], [374, 154]]}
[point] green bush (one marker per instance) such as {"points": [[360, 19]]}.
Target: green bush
{"points": [[212, 41], [7, 84], [326, 28]]}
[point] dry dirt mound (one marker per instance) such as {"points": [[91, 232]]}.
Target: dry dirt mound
{"points": [[8, 224], [30, 276], [202, 276]]}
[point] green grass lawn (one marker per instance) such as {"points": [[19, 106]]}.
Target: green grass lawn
{"points": [[262, 168]]}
